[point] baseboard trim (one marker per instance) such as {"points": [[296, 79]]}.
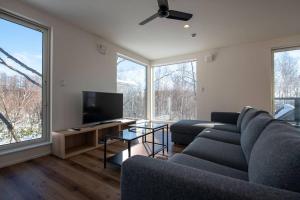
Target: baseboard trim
{"points": [[25, 155]]}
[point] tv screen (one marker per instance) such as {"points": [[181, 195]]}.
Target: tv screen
{"points": [[100, 106]]}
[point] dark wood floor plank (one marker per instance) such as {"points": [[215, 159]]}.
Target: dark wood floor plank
{"points": [[66, 191], [79, 177], [8, 189], [95, 168], [16, 176], [45, 185], [87, 185]]}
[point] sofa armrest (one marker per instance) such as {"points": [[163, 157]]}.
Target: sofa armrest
{"points": [[225, 117], [147, 178]]}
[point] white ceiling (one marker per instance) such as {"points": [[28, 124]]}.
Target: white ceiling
{"points": [[217, 23]]}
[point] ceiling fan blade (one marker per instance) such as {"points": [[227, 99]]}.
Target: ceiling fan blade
{"points": [[163, 3], [149, 19], [177, 15]]}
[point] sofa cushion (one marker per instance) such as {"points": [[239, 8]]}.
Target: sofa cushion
{"points": [[252, 132], [275, 157], [249, 115], [182, 138], [192, 127], [220, 135], [184, 131], [222, 153], [224, 117], [199, 163], [225, 127], [240, 118]]}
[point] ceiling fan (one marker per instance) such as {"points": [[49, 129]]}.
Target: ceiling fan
{"points": [[164, 12]]}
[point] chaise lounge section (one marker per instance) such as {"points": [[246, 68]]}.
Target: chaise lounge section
{"points": [[262, 161], [185, 131]]}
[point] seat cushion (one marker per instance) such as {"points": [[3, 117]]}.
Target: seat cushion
{"points": [[199, 163], [184, 131], [275, 157], [196, 126], [252, 132], [225, 127], [249, 115], [240, 118], [230, 155], [192, 127], [182, 138], [223, 136]]}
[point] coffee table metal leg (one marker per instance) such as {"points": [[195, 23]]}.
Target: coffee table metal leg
{"points": [[167, 138], [129, 149], [153, 143], [105, 152], [163, 140]]}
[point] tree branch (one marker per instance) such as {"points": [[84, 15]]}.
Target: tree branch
{"points": [[19, 72], [9, 127], [20, 63]]}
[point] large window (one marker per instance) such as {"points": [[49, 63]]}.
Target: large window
{"points": [[131, 81], [287, 84], [174, 91], [23, 89]]}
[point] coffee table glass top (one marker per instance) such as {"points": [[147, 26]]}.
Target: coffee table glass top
{"points": [[148, 125], [128, 135]]}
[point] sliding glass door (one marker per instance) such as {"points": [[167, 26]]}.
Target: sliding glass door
{"points": [[24, 115]]}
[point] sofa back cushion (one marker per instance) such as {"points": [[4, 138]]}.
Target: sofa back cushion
{"points": [[249, 115], [275, 157], [240, 118], [252, 132]]}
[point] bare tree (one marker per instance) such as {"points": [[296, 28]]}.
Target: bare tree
{"points": [[20, 63], [175, 91], [20, 101], [131, 82], [287, 76], [19, 72]]}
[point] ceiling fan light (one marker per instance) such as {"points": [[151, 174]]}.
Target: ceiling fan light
{"points": [[186, 26]]}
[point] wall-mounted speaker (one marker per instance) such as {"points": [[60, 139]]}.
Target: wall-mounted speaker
{"points": [[101, 49], [209, 58]]}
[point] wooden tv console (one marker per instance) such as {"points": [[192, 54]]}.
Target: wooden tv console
{"points": [[67, 143]]}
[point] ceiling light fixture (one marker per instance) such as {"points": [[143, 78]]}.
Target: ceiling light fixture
{"points": [[186, 26]]}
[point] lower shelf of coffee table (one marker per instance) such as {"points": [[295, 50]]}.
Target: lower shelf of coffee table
{"points": [[144, 149]]}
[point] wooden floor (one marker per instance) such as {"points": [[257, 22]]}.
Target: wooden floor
{"points": [[80, 177]]}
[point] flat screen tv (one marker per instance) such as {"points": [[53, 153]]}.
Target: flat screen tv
{"points": [[100, 106]]}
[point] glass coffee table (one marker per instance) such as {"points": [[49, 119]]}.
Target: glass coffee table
{"points": [[153, 127], [130, 135]]}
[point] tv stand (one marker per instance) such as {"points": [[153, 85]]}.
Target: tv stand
{"points": [[71, 142], [106, 122]]}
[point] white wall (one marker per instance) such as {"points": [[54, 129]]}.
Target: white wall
{"points": [[240, 75], [75, 61]]}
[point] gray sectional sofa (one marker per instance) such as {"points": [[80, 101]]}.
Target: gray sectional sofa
{"points": [[257, 158]]}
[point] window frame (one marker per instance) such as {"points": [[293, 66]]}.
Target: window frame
{"points": [[152, 106], [146, 80], [273, 51], [46, 86]]}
